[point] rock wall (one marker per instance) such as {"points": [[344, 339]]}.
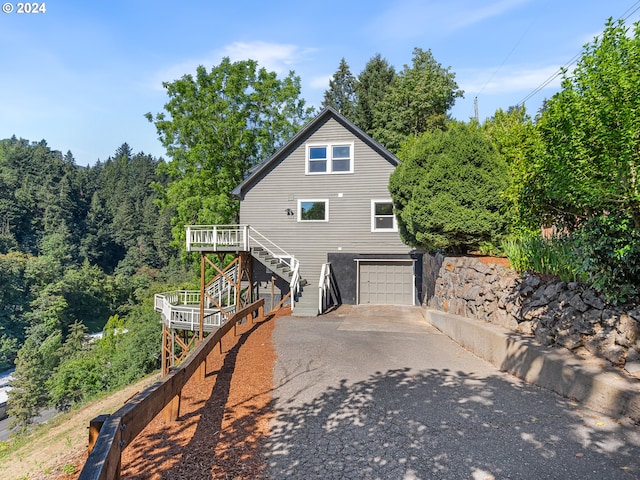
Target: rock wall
{"points": [[557, 313]]}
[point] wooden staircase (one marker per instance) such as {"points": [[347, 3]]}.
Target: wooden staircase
{"points": [[244, 238]]}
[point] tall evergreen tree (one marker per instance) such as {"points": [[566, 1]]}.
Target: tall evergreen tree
{"points": [[341, 94], [416, 102], [36, 361], [371, 88]]}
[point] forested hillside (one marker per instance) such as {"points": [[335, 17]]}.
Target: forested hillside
{"points": [[79, 247]]}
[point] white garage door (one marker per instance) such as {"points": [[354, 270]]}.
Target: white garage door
{"points": [[385, 282]]}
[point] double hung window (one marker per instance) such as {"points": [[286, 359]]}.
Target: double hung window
{"points": [[382, 216]]}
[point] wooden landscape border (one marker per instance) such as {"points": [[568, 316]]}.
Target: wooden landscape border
{"points": [[110, 434]]}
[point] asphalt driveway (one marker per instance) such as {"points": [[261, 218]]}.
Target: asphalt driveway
{"points": [[378, 393]]}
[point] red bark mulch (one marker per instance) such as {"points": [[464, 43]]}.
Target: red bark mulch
{"points": [[223, 419]]}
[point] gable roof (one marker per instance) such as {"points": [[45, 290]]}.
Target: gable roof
{"points": [[256, 171]]}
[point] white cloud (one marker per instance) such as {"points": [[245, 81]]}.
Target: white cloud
{"points": [[411, 18], [320, 82], [509, 79], [277, 57]]}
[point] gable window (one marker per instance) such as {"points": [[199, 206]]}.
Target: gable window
{"points": [[313, 210], [329, 158], [382, 216]]}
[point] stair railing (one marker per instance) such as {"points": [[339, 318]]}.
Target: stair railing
{"points": [[275, 251], [271, 248], [324, 287]]}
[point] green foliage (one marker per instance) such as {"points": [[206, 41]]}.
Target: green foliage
{"points": [[590, 133], [123, 218], [341, 94], [217, 125], [8, 351], [416, 101], [578, 170], [609, 249], [128, 350], [515, 137], [15, 296], [447, 190], [371, 88], [552, 256], [36, 360], [137, 352], [36, 193], [78, 379], [603, 252]]}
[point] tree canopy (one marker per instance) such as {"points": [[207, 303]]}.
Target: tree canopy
{"points": [[217, 125], [371, 88], [417, 101], [516, 138], [341, 94], [591, 155]]}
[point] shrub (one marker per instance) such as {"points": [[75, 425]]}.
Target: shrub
{"points": [[552, 256], [609, 247]]}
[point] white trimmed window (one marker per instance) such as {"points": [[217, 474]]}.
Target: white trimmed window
{"points": [[313, 210], [382, 216], [323, 158]]}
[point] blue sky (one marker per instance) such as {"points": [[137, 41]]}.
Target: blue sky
{"points": [[83, 74]]}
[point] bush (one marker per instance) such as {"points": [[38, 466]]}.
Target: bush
{"points": [[555, 256], [609, 246], [447, 192], [603, 252]]}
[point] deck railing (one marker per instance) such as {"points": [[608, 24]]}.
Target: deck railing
{"points": [[110, 434], [221, 238], [180, 309], [230, 238]]}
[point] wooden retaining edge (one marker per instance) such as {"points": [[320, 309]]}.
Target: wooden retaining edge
{"points": [[110, 434]]}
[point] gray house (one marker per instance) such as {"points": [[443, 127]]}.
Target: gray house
{"points": [[323, 198]]}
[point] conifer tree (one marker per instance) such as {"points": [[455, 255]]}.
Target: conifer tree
{"points": [[341, 94]]}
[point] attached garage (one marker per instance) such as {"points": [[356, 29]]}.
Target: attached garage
{"points": [[385, 282]]}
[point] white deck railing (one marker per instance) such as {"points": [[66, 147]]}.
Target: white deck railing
{"points": [[231, 238], [219, 238], [180, 309]]}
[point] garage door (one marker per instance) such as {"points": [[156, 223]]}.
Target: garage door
{"points": [[386, 282]]}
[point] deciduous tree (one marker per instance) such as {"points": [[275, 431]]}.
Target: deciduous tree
{"points": [[591, 134], [217, 125]]}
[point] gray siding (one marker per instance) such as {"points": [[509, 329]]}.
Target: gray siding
{"points": [[265, 203]]}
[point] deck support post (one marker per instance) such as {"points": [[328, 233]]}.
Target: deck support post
{"points": [[202, 286]]}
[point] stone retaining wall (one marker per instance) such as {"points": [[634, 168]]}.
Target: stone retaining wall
{"points": [[557, 313]]}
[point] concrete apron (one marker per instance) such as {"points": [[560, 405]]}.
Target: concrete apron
{"points": [[590, 382]]}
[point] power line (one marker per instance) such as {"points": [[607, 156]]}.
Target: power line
{"points": [[630, 11]]}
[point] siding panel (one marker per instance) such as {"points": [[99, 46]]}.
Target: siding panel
{"points": [[265, 203]]}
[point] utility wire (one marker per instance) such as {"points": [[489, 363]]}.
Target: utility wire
{"points": [[630, 11]]}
